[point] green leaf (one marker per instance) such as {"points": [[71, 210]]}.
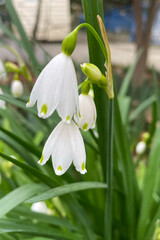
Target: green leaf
{"points": [[151, 190], [19, 195], [38, 238], [8, 98], [128, 77], [41, 176], [156, 91], [10, 34], [26, 43], [68, 188], [21, 211], [35, 229], [145, 104], [26, 145]]}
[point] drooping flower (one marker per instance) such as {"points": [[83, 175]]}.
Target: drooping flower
{"points": [[40, 207], [2, 103], [56, 88], [65, 144], [17, 88], [140, 147], [88, 112]]}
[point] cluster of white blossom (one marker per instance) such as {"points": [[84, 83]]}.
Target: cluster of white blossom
{"points": [[56, 89]]}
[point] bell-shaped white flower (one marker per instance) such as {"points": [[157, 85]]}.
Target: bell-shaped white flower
{"points": [[17, 88], [40, 207], [88, 112], [2, 103], [56, 88], [65, 144], [3, 75], [141, 147]]}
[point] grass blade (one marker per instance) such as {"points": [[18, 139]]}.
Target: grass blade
{"points": [[68, 188], [19, 195]]}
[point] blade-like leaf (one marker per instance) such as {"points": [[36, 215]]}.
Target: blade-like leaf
{"points": [[25, 144], [141, 108], [43, 177], [19, 195], [25, 41], [34, 229], [68, 188]]}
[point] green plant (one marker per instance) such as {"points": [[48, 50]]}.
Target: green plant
{"points": [[113, 207]]}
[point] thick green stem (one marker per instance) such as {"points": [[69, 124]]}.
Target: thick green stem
{"points": [[104, 106], [109, 171]]}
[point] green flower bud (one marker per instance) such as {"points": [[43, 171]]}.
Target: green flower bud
{"points": [[93, 73], [69, 43], [11, 67]]}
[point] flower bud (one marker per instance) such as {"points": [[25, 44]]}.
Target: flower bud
{"points": [[17, 88], [69, 43], [11, 67], [141, 147], [88, 113], [93, 73]]}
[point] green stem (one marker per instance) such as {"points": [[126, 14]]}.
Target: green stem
{"points": [[19, 59], [95, 34], [109, 171]]}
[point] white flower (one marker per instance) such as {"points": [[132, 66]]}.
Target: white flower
{"points": [[40, 207], [2, 103], [65, 144], [56, 88], [17, 88], [88, 112], [141, 147], [3, 74]]}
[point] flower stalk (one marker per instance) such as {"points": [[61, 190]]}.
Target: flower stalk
{"points": [[109, 153]]}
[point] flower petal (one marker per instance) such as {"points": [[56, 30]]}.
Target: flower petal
{"points": [[78, 149], [49, 145], [52, 75], [87, 112], [68, 104], [62, 153]]}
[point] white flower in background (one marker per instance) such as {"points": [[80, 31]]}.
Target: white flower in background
{"points": [[40, 207], [56, 88], [141, 147], [88, 112], [3, 75], [16, 88], [65, 144], [2, 103]]}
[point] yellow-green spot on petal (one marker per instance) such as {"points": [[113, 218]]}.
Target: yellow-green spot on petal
{"points": [[79, 115], [28, 102], [59, 168], [85, 126], [41, 159], [44, 109], [83, 166], [68, 118]]}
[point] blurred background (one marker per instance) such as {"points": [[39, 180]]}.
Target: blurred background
{"points": [[131, 24]]}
